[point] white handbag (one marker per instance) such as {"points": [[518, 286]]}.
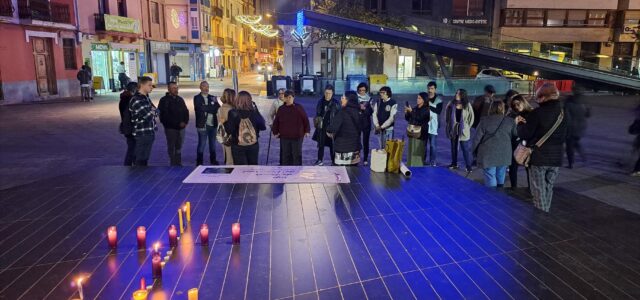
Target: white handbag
{"points": [[378, 160]]}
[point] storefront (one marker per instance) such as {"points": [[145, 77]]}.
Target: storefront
{"points": [[160, 60], [213, 62], [190, 59], [100, 63]]}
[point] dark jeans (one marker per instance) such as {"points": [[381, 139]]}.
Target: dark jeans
{"points": [[431, 144], [366, 134], [175, 139], [513, 174], [207, 134], [573, 145], [245, 155], [144, 143], [130, 156], [464, 145], [291, 152]]}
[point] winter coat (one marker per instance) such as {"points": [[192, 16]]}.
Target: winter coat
{"points": [[420, 117], [481, 106], [539, 121], [173, 111], [366, 113], [84, 77], [232, 125], [454, 129], [493, 141], [203, 108], [327, 115], [346, 130], [291, 122], [578, 113]]}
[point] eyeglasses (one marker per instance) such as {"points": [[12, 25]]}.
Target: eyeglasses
{"points": [[362, 90]]}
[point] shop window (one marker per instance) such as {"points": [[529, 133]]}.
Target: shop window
{"points": [[155, 13], [465, 8], [69, 52], [122, 8], [576, 17], [421, 7], [535, 17], [555, 18], [513, 17], [597, 18]]}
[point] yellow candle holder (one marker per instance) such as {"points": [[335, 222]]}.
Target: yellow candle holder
{"points": [[140, 295], [192, 294]]}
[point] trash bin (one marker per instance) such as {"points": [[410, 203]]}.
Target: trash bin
{"points": [[279, 82], [354, 80], [377, 81], [308, 84]]}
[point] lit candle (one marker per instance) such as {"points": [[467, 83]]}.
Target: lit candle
{"points": [[140, 294], [156, 267], [142, 237], [204, 234], [173, 236], [235, 233], [80, 292], [192, 294], [112, 237], [143, 283], [188, 210], [156, 248], [180, 221]]}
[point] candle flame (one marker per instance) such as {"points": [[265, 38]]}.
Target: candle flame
{"points": [[156, 246], [184, 207], [79, 281]]}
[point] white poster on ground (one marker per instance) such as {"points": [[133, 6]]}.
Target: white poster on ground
{"points": [[267, 174]]}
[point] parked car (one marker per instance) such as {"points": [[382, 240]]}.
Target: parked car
{"points": [[498, 74], [265, 67]]}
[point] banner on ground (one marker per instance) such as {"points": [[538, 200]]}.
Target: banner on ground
{"points": [[268, 174]]}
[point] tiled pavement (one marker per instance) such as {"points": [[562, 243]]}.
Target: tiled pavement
{"points": [[382, 236]]}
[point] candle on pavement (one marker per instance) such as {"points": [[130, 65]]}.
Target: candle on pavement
{"points": [[140, 294], [156, 248], [192, 294], [173, 236], [156, 267], [180, 221], [235, 233], [112, 237], [204, 234], [188, 212], [142, 237], [143, 283]]}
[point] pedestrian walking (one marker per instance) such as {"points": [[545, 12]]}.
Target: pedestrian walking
{"points": [[492, 145], [244, 125], [366, 112], [384, 115], [175, 71], [227, 99], [84, 77], [326, 109], [634, 72], [435, 109], [577, 113], [174, 116], [519, 107], [143, 116], [126, 125], [634, 129], [482, 104], [459, 118], [291, 126], [206, 107], [222, 69], [345, 131], [417, 129], [547, 121], [122, 75]]}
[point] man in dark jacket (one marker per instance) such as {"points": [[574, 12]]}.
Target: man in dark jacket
{"points": [[175, 71], [174, 115], [482, 104], [84, 76], [206, 107], [291, 125], [326, 109], [545, 160], [126, 125]]}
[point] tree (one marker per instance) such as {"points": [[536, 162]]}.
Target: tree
{"points": [[309, 38]]}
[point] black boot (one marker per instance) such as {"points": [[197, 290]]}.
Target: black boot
{"points": [[199, 159], [212, 158]]}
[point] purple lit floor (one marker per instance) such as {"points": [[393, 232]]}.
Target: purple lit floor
{"points": [[437, 235]]}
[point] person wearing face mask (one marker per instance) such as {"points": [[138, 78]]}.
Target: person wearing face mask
{"points": [[326, 110], [384, 115], [345, 131], [547, 121], [458, 121], [366, 111]]}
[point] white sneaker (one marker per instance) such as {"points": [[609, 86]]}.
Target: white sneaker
{"points": [[635, 174], [319, 163]]}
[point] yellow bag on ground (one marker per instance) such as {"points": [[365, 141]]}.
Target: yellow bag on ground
{"points": [[394, 150]]}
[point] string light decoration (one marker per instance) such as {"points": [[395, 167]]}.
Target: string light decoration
{"points": [[249, 20], [254, 23]]}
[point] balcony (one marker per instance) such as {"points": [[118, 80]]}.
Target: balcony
{"points": [[217, 12], [6, 8], [43, 10], [116, 24], [220, 41], [228, 42]]}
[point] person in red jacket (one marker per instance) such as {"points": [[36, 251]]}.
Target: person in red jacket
{"points": [[291, 126]]}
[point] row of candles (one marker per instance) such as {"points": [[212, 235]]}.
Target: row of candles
{"points": [[157, 262]]}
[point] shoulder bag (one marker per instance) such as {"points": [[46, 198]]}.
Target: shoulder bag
{"points": [[522, 154]]}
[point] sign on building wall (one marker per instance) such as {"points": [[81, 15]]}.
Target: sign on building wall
{"points": [[160, 47], [121, 24], [99, 47]]}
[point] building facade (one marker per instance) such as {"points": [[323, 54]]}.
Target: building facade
{"points": [[39, 53]]}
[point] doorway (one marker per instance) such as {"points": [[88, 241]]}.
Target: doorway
{"points": [[45, 69]]}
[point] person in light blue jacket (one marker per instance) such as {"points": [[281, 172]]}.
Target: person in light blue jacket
{"points": [[435, 107]]}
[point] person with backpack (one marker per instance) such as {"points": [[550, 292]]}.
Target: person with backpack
{"points": [[546, 129], [482, 104], [206, 107], [244, 125], [291, 126], [174, 115], [85, 83], [228, 96], [492, 144], [126, 126], [366, 113], [143, 116], [345, 131], [326, 109], [435, 109]]}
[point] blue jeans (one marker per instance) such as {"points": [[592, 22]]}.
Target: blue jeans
{"points": [[207, 134], [144, 143], [464, 146], [494, 176], [385, 135], [432, 144]]}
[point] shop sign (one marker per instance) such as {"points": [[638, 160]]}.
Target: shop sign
{"points": [[182, 48], [160, 47], [121, 24], [476, 21], [631, 28], [99, 47]]}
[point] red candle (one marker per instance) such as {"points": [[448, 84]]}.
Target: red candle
{"points": [[112, 237], [235, 233], [142, 237], [173, 236], [143, 283], [204, 234], [156, 267]]}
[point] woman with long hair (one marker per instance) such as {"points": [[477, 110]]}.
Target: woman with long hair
{"points": [[519, 107], [459, 118], [244, 125], [345, 131], [419, 117], [228, 96]]}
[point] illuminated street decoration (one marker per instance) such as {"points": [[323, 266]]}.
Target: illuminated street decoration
{"points": [[254, 23], [249, 20], [300, 34], [178, 18]]}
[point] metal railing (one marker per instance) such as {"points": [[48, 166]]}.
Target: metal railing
{"points": [[6, 8], [60, 13], [43, 10]]}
